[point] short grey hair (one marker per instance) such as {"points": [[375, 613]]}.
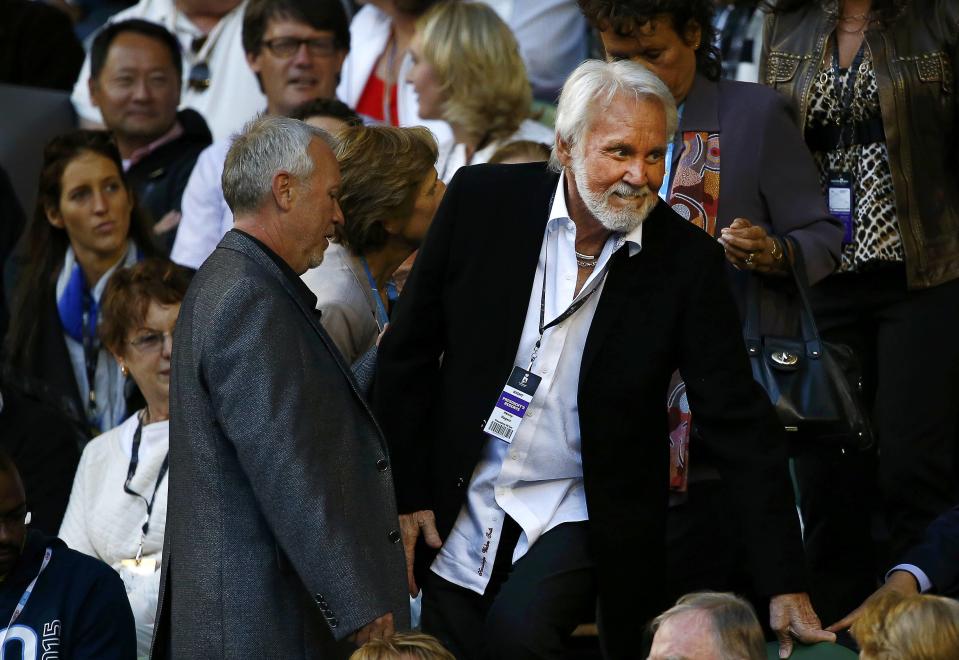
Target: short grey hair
{"points": [[265, 146], [735, 625], [596, 83]]}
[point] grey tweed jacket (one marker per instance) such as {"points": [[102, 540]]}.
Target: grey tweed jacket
{"points": [[281, 529]]}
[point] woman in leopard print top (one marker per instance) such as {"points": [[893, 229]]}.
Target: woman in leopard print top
{"points": [[874, 81]]}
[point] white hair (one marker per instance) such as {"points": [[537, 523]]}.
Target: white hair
{"points": [[265, 146], [593, 86]]}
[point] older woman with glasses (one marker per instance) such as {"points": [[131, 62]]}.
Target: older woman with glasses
{"points": [[117, 509]]}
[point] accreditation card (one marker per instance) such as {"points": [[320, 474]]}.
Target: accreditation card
{"points": [[512, 404]]}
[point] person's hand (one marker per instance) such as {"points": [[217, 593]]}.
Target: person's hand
{"points": [[901, 582], [749, 247], [792, 615], [381, 628], [411, 525]]}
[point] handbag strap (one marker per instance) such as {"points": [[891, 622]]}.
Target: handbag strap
{"points": [[807, 322]]}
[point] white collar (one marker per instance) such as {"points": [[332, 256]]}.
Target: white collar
{"points": [[560, 212]]}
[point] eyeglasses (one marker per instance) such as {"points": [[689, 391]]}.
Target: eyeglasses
{"points": [[286, 47], [151, 342]]}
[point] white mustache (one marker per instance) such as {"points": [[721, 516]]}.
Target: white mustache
{"points": [[628, 190]]}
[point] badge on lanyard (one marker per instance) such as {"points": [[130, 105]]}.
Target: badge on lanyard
{"points": [[513, 402], [840, 197], [140, 566]]}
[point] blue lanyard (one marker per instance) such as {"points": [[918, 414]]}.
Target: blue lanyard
{"points": [[25, 597], [665, 188], [382, 316]]}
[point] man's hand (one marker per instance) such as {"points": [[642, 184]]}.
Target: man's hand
{"points": [[411, 525], [901, 582], [381, 628], [749, 247], [792, 615]]}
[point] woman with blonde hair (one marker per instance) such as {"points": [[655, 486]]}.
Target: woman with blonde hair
{"points": [[389, 193], [917, 627], [467, 70]]}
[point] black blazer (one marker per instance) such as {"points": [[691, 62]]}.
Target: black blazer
{"points": [[938, 553], [668, 307]]}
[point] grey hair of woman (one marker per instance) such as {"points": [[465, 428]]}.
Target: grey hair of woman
{"points": [[593, 86], [265, 146]]}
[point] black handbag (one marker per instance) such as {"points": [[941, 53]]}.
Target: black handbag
{"points": [[815, 386]]}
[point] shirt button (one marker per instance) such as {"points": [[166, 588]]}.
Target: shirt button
{"points": [[514, 455], [382, 465], [394, 536]]}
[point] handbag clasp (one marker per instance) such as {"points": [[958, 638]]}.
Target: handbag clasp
{"points": [[785, 359]]}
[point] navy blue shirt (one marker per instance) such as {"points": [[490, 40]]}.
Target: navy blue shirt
{"points": [[78, 609]]}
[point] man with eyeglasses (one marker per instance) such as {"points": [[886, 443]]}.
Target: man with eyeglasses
{"points": [[296, 49], [55, 602], [135, 81], [217, 83]]}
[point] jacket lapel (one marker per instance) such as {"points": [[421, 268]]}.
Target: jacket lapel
{"points": [[237, 242], [519, 258], [626, 289]]}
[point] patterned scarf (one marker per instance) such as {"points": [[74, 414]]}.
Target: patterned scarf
{"points": [[695, 190], [695, 196]]}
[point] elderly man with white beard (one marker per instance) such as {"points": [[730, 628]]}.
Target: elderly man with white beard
{"points": [[521, 388]]}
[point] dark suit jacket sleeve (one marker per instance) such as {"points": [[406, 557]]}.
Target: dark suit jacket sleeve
{"points": [[740, 430], [789, 183], [258, 356], [938, 553], [409, 360]]}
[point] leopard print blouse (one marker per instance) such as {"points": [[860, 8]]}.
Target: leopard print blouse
{"points": [[876, 237]]}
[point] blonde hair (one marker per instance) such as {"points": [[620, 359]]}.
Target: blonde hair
{"points": [[417, 646], [526, 151], [917, 627], [382, 169], [477, 60]]}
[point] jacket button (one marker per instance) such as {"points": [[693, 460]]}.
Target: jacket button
{"points": [[333, 623], [394, 536], [382, 465], [318, 598]]}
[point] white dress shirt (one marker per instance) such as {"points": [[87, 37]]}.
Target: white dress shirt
{"points": [[205, 218], [925, 584], [234, 95], [538, 478]]}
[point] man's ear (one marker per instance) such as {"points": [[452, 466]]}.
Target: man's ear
{"points": [[253, 60], [564, 152], [92, 86], [282, 186], [693, 34]]}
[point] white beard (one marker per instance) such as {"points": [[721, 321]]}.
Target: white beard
{"points": [[622, 220]]}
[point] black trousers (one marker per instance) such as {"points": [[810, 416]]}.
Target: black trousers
{"points": [[528, 610], [908, 342]]}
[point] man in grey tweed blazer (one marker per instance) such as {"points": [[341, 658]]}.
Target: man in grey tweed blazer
{"points": [[281, 536]]}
